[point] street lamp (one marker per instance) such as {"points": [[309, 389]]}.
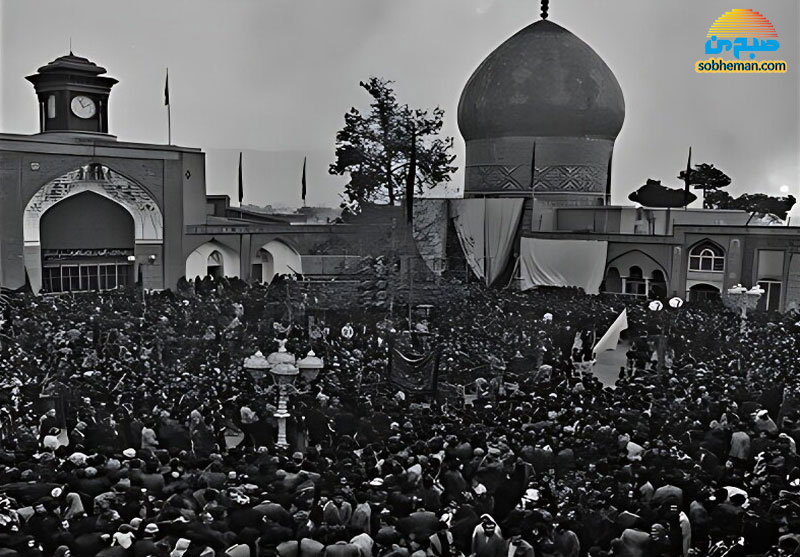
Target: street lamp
{"points": [[257, 366], [739, 297], [284, 372], [310, 366], [675, 302]]}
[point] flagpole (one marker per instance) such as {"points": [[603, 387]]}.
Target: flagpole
{"points": [[533, 183], [303, 191], [686, 181], [169, 109]]}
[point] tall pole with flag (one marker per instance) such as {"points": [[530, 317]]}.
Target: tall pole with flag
{"points": [[166, 103], [241, 181], [533, 182], [686, 180], [411, 178], [303, 183]]}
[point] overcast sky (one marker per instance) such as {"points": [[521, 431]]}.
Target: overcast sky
{"points": [[273, 78]]}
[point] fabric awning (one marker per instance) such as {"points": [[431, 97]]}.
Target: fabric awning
{"points": [[486, 230], [577, 263]]}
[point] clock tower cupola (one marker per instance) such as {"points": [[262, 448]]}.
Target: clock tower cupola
{"points": [[73, 95]]}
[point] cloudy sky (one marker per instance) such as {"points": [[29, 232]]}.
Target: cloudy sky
{"points": [[273, 78]]}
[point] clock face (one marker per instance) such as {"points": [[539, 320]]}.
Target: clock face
{"points": [[83, 107]]}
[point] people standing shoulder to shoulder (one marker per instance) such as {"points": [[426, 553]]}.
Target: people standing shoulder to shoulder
{"points": [[517, 547]]}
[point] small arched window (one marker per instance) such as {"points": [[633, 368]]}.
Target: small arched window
{"points": [[214, 259], [707, 257]]}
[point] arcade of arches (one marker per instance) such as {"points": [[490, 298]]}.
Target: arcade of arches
{"points": [[218, 260], [637, 274]]}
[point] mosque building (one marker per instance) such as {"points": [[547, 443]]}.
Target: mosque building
{"points": [[539, 117], [81, 210]]}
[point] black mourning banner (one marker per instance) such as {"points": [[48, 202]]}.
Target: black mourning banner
{"points": [[415, 374], [55, 254]]}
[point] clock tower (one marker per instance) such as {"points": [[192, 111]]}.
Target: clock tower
{"points": [[73, 95]]}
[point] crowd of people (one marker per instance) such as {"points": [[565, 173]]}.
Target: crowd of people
{"points": [[130, 427]]}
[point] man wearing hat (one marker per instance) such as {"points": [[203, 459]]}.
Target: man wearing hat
{"points": [[517, 547], [441, 541], [337, 512], [147, 544]]}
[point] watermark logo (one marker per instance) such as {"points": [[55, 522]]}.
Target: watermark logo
{"points": [[742, 35]]}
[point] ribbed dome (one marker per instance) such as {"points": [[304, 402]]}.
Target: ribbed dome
{"points": [[544, 82]]}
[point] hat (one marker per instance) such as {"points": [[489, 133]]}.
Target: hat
{"points": [[129, 453], [151, 528], [376, 482], [78, 458], [125, 539]]}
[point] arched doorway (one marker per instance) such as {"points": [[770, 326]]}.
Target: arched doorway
{"points": [[212, 259], [96, 178], [703, 293], [635, 284], [658, 285], [215, 266], [86, 241], [613, 282], [276, 258]]}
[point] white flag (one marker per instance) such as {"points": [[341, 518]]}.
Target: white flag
{"points": [[611, 338]]}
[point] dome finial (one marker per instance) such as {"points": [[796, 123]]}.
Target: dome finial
{"points": [[545, 4]]}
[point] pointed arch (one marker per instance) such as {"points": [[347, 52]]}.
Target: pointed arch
{"points": [[278, 258], [97, 178], [212, 258], [707, 256], [635, 257], [102, 180]]}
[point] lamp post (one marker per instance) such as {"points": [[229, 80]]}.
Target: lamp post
{"points": [[284, 372], [739, 297], [664, 326]]}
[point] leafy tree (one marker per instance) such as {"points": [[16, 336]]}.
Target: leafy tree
{"points": [[653, 194], [707, 178], [759, 203], [375, 148]]}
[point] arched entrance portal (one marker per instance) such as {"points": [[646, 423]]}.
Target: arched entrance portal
{"points": [[276, 258], [212, 259], [144, 218], [76, 256]]}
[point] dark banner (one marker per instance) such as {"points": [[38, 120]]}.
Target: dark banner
{"points": [[415, 374], [57, 254]]}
